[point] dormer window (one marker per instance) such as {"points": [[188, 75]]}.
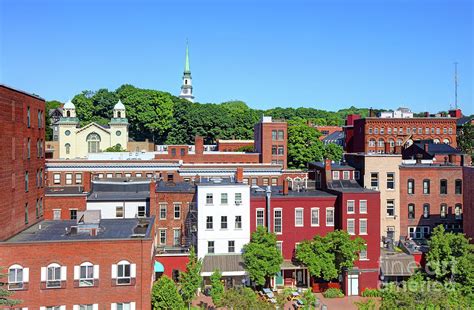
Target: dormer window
{"points": [[335, 175]]}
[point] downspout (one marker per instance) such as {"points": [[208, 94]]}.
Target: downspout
{"points": [[268, 194]]}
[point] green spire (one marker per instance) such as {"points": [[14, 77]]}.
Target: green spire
{"points": [[186, 65]]}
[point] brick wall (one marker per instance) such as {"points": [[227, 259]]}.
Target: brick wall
{"points": [[468, 216], [14, 134], [65, 204]]}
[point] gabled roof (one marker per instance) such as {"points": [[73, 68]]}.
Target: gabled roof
{"points": [[103, 128], [437, 148], [334, 136], [463, 120]]}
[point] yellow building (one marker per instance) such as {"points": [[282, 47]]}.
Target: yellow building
{"points": [[78, 142]]}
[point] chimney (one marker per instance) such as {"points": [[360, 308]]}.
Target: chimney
{"points": [[239, 175], [426, 147], [285, 187], [327, 170], [199, 145], [455, 113]]}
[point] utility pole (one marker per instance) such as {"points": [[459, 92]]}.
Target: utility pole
{"points": [[456, 85]]}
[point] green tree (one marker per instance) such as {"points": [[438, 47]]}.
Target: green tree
{"points": [[328, 256], [261, 257], [116, 148], [190, 280], [303, 144], [5, 295], [217, 288], [466, 139], [243, 299], [333, 152], [165, 295]]}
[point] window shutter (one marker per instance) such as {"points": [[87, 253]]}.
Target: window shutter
{"points": [[95, 307], [114, 272], [43, 275], [26, 275], [96, 271], [62, 308], [42, 308], [77, 272], [75, 307], [133, 270], [132, 305], [113, 306], [63, 274]]}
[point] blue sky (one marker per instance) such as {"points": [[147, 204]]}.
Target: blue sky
{"points": [[321, 54]]}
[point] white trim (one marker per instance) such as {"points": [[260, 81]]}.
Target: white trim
{"points": [[63, 273], [132, 305], [353, 206], [114, 271], [96, 271], [347, 225], [333, 217], [95, 307], [256, 217], [43, 274], [366, 226], [281, 218], [113, 306], [302, 217], [317, 224], [133, 270], [77, 272], [26, 275], [360, 211]]}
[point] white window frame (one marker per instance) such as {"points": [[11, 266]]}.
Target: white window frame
{"points": [[17, 282], [387, 208], [163, 207], [335, 175], [78, 178], [262, 218], [177, 236], [351, 222], [238, 199], [141, 211], [224, 221], [211, 222], [330, 223], [314, 223], [176, 209], [88, 280], [363, 206], [346, 175], [238, 220], [224, 198], [56, 280], [299, 221], [68, 179], [350, 204], [363, 231], [363, 254], [209, 199], [280, 218], [124, 279], [162, 235], [57, 178]]}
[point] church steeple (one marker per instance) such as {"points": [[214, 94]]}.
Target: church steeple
{"points": [[186, 87]]}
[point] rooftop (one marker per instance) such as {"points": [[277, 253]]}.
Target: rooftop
{"points": [[22, 91], [183, 187], [46, 231], [223, 262], [277, 192], [64, 191], [348, 186], [121, 190], [334, 136], [334, 166], [435, 148]]}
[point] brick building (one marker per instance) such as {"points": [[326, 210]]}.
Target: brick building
{"points": [[82, 264], [271, 140], [22, 132], [430, 195], [234, 145], [389, 135], [468, 200]]}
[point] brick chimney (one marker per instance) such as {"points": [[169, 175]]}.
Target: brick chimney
{"points": [[239, 175], [327, 170], [455, 113], [86, 181], [199, 145], [285, 187]]}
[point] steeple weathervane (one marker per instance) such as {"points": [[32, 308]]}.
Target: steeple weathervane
{"points": [[186, 87]]}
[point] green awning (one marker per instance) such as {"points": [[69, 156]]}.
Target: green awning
{"points": [[159, 267]]}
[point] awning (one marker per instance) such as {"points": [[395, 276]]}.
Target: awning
{"points": [[401, 265], [159, 267], [228, 265], [287, 265]]}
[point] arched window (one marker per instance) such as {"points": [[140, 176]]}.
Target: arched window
{"points": [[443, 209], [411, 211], [458, 211], [372, 142], [458, 187], [53, 275], [392, 142], [68, 148], [119, 114], [436, 141], [426, 186], [426, 210], [17, 277], [68, 113], [93, 142], [381, 143], [411, 186], [124, 272], [86, 274], [446, 141], [399, 142]]}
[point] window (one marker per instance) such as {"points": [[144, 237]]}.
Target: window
{"points": [[86, 274], [78, 177], [54, 307], [162, 234], [390, 180], [28, 120], [176, 237], [141, 211], [330, 217], [93, 142], [173, 152], [363, 206], [125, 305], [124, 273], [73, 214], [363, 254], [370, 130], [274, 181], [265, 182], [351, 226], [68, 178], [426, 186], [274, 149], [450, 130], [223, 198], [182, 152], [427, 131], [279, 246], [418, 232], [382, 130], [86, 307], [245, 181], [118, 175], [443, 187], [17, 275], [458, 187], [277, 221], [231, 246], [53, 279], [254, 181], [260, 217], [223, 222], [426, 210], [163, 207], [411, 211], [177, 210], [238, 222], [274, 135], [357, 175], [390, 207], [299, 217], [210, 247], [109, 175], [443, 210], [209, 224], [411, 186], [26, 181], [119, 212], [376, 131], [351, 206], [363, 227], [335, 175], [67, 146], [238, 198], [128, 175], [372, 142], [100, 175], [374, 180], [281, 135], [381, 143], [281, 150], [345, 175], [209, 199], [458, 211], [314, 216]]}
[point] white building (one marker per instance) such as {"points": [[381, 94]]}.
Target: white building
{"points": [[398, 113], [223, 217]]}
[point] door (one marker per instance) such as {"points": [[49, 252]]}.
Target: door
{"points": [[279, 278], [353, 281]]}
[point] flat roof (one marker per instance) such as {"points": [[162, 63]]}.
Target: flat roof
{"points": [[334, 166], [22, 91], [64, 191], [277, 192], [50, 230], [182, 187]]}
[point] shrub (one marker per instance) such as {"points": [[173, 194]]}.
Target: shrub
{"points": [[333, 293], [368, 304], [369, 292]]}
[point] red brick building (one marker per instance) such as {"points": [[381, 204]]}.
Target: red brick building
{"points": [[468, 200], [430, 195], [234, 145], [76, 265], [384, 135], [271, 140], [22, 132]]}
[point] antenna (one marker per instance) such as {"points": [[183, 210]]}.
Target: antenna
{"points": [[456, 85]]}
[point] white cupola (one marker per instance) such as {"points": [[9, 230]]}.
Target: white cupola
{"points": [[69, 110], [119, 110]]}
